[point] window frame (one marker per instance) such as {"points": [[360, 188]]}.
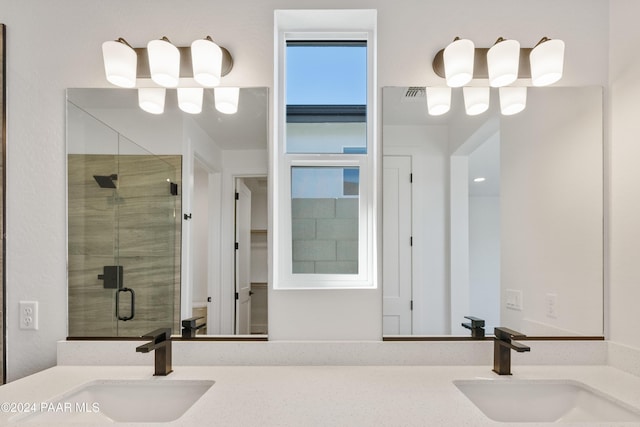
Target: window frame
{"points": [[283, 162]]}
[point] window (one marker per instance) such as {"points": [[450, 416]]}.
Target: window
{"points": [[323, 211]]}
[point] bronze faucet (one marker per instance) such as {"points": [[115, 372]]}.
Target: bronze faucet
{"points": [[502, 346], [476, 326], [161, 344]]}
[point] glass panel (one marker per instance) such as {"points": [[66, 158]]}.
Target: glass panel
{"points": [[124, 232], [324, 220], [326, 96]]}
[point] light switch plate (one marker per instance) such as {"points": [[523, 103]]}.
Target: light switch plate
{"points": [[513, 299], [29, 315]]}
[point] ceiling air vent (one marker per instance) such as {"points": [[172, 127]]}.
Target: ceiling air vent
{"points": [[414, 94]]}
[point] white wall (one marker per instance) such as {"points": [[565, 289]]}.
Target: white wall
{"points": [[55, 45], [484, 259], [551, 211], [624, 203]]}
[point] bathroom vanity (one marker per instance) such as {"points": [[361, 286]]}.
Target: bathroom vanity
{"points": [[313, 395]]}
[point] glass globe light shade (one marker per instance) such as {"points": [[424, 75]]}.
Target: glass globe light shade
{"points": [[458, 62], [476, 100], [547, 62], [226, 99], [151, 99], [512, 99], [206, 60], [438, 100], [120, 63], [503, 60], [164, 63]]}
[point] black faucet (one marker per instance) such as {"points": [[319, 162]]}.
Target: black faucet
{"points": [[476, 326], [161, 343], [190, 327], [502, 346]]}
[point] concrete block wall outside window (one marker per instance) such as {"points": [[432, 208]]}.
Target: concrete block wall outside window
{"points": [[325, 235]]}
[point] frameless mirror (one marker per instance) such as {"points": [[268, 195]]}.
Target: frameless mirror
{"points": [[491, 216], [150, 204]]}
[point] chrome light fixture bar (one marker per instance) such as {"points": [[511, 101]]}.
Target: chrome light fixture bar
{"points": [[543, 63]]}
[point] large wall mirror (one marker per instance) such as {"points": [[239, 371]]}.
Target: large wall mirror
{"points": [[153, 215], [491, 216]]}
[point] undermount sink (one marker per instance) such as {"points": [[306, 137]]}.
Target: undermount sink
{"points": [[545, 401], [154, 400]]}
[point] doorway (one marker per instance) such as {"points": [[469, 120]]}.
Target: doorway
{"points": [[251, 256], [397, 248]]}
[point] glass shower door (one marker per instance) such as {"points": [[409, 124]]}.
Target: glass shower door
{"points": [[148, 244], [124, 231]]}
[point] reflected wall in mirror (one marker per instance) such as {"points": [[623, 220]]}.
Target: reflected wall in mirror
{"points": [[151, 206], [502, 220]]}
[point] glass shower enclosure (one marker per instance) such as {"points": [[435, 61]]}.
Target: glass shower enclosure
{"points": [[124, 231]]}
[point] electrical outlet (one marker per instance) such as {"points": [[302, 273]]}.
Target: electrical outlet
{"points": [[29, 315], [513, 299], [551, 302]]}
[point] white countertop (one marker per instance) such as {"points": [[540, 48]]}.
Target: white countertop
{"points": [[322, 395]]}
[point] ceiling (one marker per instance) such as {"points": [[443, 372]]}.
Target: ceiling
{"points": [[407, 106]]}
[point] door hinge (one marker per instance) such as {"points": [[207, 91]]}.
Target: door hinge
{"points": [[411, 178], [208, 299], [237, 196], [411, 241], [187, 216], [237, 295], [411, 305], [237, 246]]}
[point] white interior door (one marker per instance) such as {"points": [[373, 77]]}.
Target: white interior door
{"points": [[397, 240], [243, 258]]}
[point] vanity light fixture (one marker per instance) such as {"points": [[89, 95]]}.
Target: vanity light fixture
{"points": [[226, 99], [547, 62], [458, 59], [476, 100], [543, 64], [162, 65], [151, 99], [120, 63], [438, 100], [190, 99], [503, 60], [513, 99], [164, 62]]}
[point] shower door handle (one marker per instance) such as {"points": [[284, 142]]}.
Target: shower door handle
{"points": [[133, 304]]}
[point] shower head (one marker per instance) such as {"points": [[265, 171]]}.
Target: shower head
{"points": [[106, 181]]}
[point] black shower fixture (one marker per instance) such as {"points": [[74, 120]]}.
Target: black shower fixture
{"points": [[106, 181]]}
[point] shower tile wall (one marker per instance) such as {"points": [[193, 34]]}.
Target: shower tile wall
{"points": [[137, 227]]}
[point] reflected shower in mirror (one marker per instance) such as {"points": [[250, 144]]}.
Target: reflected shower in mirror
{"points": [[491, 216], [150, 208]]}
